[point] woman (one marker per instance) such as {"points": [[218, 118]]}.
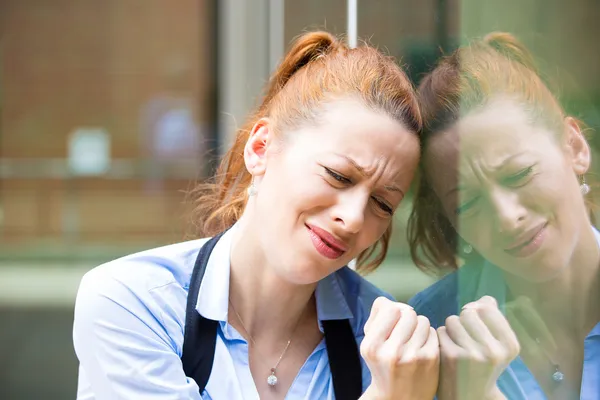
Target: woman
{"points": [[503, 190], [311, 182]]}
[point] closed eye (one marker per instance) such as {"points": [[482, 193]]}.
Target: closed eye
{"points": [[519, 178], [383, 206], [337, 177], [466, 206]]}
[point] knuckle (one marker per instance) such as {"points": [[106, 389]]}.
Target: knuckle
{"points": [[514, 348], [450, 354], [452, 320], [495, 355], [467, 312], [408, 356], [407, 312], [396, 311], [423, 321], [391, 359], [380, 302], [477, 357], [368, 351], [489, 300], [429, 356]]}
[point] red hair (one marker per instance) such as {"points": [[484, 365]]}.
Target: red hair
{"points": [[318, 68], [497, 65]]}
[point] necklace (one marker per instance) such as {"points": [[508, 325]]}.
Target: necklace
{"points": [[557, 376], [272, 378]]}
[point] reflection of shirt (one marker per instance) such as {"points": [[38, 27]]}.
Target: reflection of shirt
{"points": [[130, 317], [470, 283]]}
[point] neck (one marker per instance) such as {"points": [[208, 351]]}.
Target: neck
{"points": [[568, 302], [269, 306]]}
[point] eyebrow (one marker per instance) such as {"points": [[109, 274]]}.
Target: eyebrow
{"points": [[493, 168], [393, 188], [361, 170]]}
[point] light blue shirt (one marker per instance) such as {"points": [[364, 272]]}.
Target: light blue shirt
{"points": [[472, 282], [130, 320]]}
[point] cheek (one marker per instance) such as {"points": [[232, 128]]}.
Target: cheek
{"points": [[551, 196], [373, 229], [477, 233]]}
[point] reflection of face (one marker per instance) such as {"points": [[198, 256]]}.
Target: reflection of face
{"points": [[510, 189], [346, 176]]}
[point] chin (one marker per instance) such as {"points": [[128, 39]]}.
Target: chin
{"points": [[540, 272], [302, 277], [306, 273]]}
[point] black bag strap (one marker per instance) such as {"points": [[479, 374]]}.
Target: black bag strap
{"points": [[200, 338], [344, 359], [200, 334]]}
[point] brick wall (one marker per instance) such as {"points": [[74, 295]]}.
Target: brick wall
{"points": [[72, 63]]}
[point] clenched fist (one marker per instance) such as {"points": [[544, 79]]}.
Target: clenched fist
{"points": [[475, 348], [401, 349]]}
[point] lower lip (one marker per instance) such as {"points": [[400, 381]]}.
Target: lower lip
{"points": [[532, 246], [322, 248]]}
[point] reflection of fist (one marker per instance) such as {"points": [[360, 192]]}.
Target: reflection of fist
{"points": [[475, 348], [402, 352]]}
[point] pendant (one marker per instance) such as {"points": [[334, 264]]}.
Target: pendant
{"points": [[557, 376], [272, 379]]}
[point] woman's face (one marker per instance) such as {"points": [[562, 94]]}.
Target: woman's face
{"points": [[510, 188], [328, 191]]}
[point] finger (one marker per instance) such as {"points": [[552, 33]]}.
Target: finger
{"points": [[476, 328], [485, 301], [448, 349], [405, 327], [420, 335], [431, 349], [499, 327], [382, 325], [432, 345], [489, 300], [378, 304], [372, 316], [459, 335]]}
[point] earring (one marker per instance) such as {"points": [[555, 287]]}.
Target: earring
{"points": [[252, 188], [585, 188], [467, 249]]}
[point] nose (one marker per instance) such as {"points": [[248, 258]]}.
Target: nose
{"points": [[349, 211], [508, 210]]}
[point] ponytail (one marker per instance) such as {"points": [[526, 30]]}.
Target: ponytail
{"points": [[318, 68], [306, 48], [220, 203], [511, 48]]}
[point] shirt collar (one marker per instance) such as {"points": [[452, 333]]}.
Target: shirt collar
{"points": [[331, 301], [213, 295]]}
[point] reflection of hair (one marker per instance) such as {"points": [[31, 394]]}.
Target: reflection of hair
{"points": [[498, 65], [317, 68]]}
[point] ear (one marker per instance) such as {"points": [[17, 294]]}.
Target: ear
{"points": [[577, 148], [255, 151]]}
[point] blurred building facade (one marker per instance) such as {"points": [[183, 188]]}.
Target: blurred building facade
{"points": [[111, 110]]}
